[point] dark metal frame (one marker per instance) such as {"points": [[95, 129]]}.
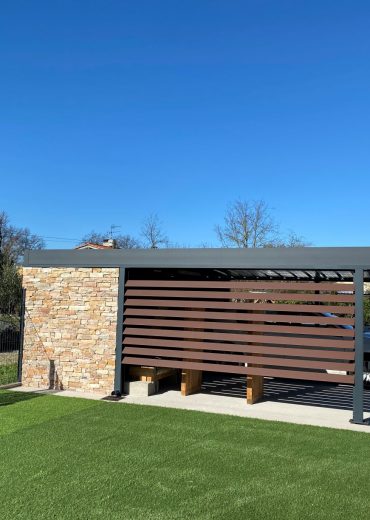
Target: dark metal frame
{"points": [[355, 259], [358, 388], [21, 330], [119, 333], [313, 258]]}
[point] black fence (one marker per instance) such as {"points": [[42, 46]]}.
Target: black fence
{"points": [[11, 340]]}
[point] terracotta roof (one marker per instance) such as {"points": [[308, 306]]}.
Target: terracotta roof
{"points": [[91, 245]]}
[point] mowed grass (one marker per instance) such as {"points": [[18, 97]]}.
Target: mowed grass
{"points": [[69, 458], [8, 373]]}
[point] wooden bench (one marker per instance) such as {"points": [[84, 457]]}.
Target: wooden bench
{"points": [[150, 374]]}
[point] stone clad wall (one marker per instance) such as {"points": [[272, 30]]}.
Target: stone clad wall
{"points": [[70, 328]]}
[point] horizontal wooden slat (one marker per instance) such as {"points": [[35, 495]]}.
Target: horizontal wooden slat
{"points": [[246, 348], [235, 369], [243, 284], [144, 293], [251, 327], [240, 338], [239, 316], [151, 338], [237, 358], [274, 307]]}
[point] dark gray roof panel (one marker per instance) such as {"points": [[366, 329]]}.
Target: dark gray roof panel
{"points": [[307, 258]]}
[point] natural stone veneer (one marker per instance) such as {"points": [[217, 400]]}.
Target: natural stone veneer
{"points": [[70, 328]]}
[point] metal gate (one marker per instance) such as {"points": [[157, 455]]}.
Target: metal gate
{"points": [[289, 329], [11, 346]]}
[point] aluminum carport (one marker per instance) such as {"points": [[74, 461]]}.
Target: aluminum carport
{"points": [[332, 275]]}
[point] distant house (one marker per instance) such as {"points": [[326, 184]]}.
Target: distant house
{"points": [[108, 243]]}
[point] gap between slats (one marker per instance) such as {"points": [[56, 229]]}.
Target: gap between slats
{"points": [[274, 307], [247, 348], [302, 286], [241, 338], [209, 325], [238, 316], [237, 358], [277, 296], [213, 367]]}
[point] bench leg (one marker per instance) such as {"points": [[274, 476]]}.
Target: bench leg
{"points": [[191, 381], [254, 389]]}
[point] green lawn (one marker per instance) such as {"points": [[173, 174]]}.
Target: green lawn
{"points": [[64, 458], [8, 373]]}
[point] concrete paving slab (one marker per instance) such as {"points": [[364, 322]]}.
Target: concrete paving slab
{"points": [[272, 411], [63, 393], [267, 410]]}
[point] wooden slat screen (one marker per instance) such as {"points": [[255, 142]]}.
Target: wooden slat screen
{"points": [[281, 328]]}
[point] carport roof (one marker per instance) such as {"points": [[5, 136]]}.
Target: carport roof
{"points": [[291, 259]]}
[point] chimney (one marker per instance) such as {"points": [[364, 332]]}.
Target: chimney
{"points": [[110, 242]]}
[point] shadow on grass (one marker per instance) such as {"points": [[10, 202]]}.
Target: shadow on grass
{"points": [[7, 397]]}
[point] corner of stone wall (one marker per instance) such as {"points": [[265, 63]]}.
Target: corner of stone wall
{"points": [[70, 328]]}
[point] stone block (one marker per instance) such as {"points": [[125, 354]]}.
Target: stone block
{"points": [[140, 388]]}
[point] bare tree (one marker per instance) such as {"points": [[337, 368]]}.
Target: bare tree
{"points": [[14, 241], [123, 241], [94, 237], [247, 224], [294, 240], [126, 241], [152, 232]]}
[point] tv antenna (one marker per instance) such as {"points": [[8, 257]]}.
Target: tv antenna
{"points": [[113, 227]]}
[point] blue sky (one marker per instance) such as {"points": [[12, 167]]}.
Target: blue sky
{"points": [[111, 110]]}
